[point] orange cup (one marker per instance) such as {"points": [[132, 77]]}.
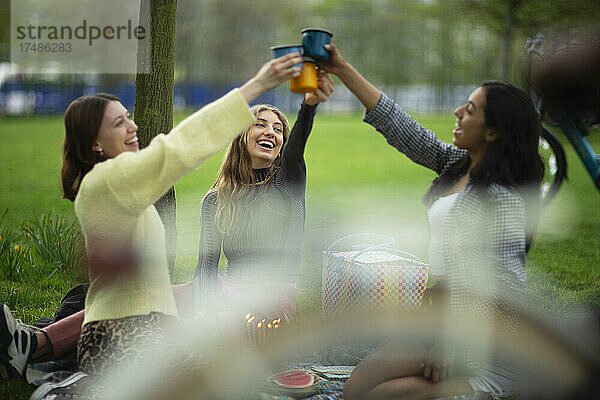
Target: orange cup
{"points": [[306, 82]]}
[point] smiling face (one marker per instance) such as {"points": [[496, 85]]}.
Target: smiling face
{"points": [[117, 133], [472, 132], [265, 139]]}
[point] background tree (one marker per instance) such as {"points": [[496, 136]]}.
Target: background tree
{"points": [[154, 97], [4, 30], [510, 19]]}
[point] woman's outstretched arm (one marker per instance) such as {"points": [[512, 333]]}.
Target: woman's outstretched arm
{"points": [[292, 155], [137, 180], [363, 89], [400, 130]]}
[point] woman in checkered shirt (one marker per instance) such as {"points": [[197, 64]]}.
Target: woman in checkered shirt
{"points": [[482, 210]]}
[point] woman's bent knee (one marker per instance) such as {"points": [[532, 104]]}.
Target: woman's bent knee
{"points": [[410, 387]]}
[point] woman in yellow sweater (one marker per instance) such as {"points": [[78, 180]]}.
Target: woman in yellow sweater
{"points": [[114, 187], [113, 255]]}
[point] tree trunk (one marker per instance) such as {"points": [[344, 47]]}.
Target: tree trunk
{"points": [[154, 98], [509, 23]]}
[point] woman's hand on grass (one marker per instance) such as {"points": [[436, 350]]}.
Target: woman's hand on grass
{"points": [[323, 92], [271, 75]]}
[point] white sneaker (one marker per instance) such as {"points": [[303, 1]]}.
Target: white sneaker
{"points": [[75, 387], [15, 345]]}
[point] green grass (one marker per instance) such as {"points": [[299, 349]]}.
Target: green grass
{"points": [[356, 183]]}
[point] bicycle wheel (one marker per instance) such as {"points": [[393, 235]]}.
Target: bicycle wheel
{"points": [[555, 163]]}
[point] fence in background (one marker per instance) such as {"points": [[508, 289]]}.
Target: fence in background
{"points": [[19, 98]]}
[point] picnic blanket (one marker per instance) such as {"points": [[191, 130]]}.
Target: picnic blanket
{"points": [[327, 390], [334, 391]]}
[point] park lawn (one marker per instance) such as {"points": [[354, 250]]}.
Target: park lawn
{"points": [[356, 183]]}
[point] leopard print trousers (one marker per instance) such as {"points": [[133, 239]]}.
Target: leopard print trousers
{"points": [[118, 342]]}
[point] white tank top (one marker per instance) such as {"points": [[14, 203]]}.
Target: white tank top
{"points": [[437, 214]]}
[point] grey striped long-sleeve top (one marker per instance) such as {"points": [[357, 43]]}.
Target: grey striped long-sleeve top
{"points": [[267, 237]]}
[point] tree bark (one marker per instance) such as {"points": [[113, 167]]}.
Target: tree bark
{"points": [[154, 91], [507, 35]]}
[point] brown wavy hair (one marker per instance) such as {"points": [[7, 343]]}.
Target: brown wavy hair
{"points": [[82, 124], [235, 176]]}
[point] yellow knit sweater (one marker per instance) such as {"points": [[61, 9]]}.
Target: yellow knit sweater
{"points": [[122, 229]]}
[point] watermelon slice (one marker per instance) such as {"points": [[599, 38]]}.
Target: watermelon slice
{"points": [[294, 378]]}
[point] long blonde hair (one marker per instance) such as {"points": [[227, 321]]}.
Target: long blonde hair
{"points": [[235, 177]]}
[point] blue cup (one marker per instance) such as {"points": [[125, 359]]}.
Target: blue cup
{"points": [[280, 51], [313, 40]]}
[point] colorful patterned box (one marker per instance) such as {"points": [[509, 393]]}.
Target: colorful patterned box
{"points": [[355, 280]]}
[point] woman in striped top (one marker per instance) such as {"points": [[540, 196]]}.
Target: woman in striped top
{"points": [[256, 208]]}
